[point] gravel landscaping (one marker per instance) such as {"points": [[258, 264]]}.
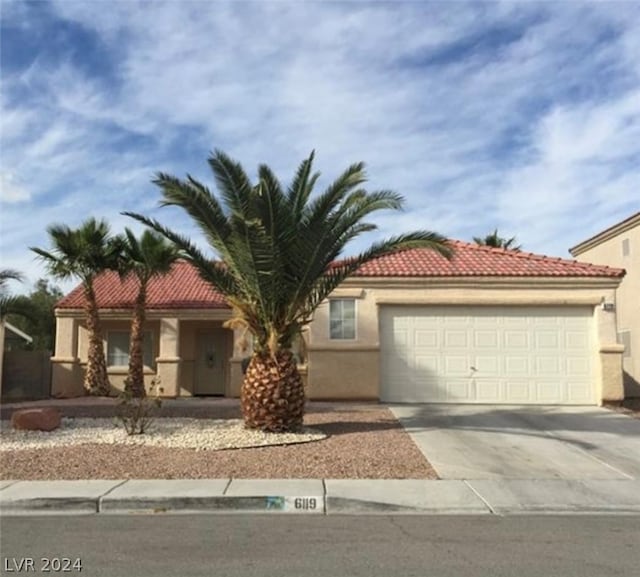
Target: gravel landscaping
{"points": [[199, 434], [360, 441]]}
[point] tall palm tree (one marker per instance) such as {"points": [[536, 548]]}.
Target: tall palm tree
{"points": [[145, 257], [84, 253], [12, 304], [278, 251], [495, 240]]}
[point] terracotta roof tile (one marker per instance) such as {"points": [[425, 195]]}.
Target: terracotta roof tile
{"points": [[471, 259], [183, 288]]}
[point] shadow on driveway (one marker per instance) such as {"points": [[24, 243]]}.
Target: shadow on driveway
{"points": [[487, 441]]}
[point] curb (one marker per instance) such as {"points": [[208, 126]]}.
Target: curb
{"points": [[321, 497]]}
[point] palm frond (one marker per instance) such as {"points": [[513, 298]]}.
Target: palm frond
{"points": [[277, 246], [8, 274]]}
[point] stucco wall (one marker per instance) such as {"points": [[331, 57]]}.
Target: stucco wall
{"points": [[356, 363], [342, 369], [627, 299], [174, 353]]}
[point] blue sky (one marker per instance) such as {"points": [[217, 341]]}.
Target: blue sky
{"points": [[521, 116]]}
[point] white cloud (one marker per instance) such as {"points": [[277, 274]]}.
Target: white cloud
{"points": [[10, 190], [521, 135]]}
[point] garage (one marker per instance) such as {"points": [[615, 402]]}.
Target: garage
{"points": [[487, 354]]}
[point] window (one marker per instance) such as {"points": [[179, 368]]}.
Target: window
{"points": [[342, 319], [626, 249], [118, 349]]}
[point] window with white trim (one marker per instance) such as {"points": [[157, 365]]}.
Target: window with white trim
{"points": [[118, 343], [342, 319]]}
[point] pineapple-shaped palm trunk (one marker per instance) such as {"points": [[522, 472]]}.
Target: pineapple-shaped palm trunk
{"points": [[273, 395], [96, 381], [135, 381]]}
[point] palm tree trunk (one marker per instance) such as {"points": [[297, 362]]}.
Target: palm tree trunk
{"points": [[272, 395], [135, 381], [96, 381]]}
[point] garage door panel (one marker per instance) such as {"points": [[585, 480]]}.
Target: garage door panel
{"points": [[483, 339], [548, 365], [578, 393], [401, 338], [512, 319], [456, 365], [487, 354], [426, 338], [426, 366], [549, 391], [487, 390], [455, 339], [516, 340], [517, 366], [517, 391], [574, 340], [489, 366], [546, 339], [577, 366], [457, 389]]}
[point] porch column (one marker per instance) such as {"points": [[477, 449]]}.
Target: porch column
{"points": [[66, 370], [611, 377], [610, 381], [168, 363]]}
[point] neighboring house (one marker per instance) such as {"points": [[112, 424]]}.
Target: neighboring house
{"points": [[10, 338], [619, 246], [489, 326]]}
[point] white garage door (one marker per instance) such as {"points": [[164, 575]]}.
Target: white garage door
{"points": [[486, 354]]}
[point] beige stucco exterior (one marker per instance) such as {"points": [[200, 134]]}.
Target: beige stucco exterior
{"points": [[609, 248], [174, 346], [337, 369], [359, 369]]}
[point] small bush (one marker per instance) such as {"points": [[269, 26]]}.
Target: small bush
{"points": [[138, 413]]}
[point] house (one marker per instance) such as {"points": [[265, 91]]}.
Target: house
{"points": [[619, 246], [488, 326]]}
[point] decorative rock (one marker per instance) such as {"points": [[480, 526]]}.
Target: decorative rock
{"points": [[45, 419]]}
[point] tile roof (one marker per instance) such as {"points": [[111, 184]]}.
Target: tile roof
{"points": [[471, 259], [183, 288]]}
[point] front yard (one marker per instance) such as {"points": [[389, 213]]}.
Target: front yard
{"points": [[363, 441]]}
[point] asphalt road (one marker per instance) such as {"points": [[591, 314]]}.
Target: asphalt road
{"points": [[246, 546]]}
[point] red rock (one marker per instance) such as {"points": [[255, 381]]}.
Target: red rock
{"points": [[45, 419]]}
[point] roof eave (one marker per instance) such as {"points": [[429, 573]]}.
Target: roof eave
{"points": [[605, 235], [485, 281]]}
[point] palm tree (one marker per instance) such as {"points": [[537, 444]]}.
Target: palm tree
{"points": [[145, 257], [495, 240], [278, 251], [84, 253], [9, 304]]}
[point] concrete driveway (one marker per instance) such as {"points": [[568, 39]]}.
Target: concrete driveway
{"points": [[524, 442]]}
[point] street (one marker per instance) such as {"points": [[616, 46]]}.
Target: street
{"points": [[305, 546]]}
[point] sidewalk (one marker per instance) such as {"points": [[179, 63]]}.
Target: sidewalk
{"points": [[321, 496]]}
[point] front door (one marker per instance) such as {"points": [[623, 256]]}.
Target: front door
{"points": [[210, 364]]}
